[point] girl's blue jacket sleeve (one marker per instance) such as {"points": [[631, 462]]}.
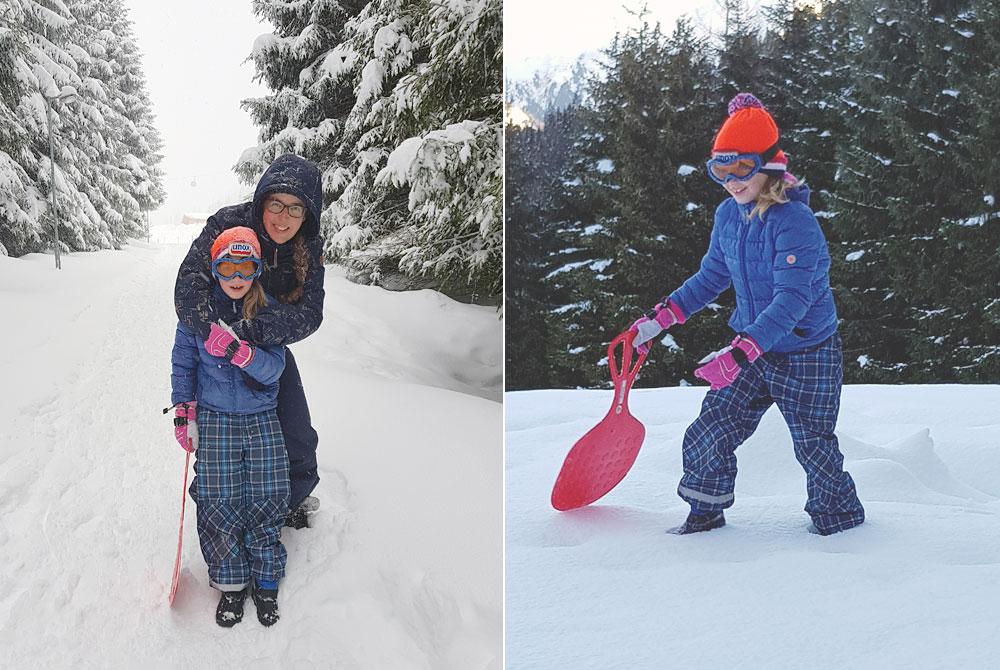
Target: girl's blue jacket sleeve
{"points": [[184, 367], [267, 364], [708, 283]]}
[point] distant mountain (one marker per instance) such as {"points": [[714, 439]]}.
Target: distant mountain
{"points": [[552, 87], [515, 116]]}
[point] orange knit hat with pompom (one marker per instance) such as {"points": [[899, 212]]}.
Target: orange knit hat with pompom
{"points": [[750, 129]]}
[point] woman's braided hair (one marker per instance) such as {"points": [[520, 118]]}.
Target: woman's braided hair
{"points": [[300, 265]]}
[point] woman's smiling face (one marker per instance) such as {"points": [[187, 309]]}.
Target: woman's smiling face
{"points": [[282, 227]]}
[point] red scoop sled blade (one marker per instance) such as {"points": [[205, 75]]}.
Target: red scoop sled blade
{"points": [[180, 533], [601, 458]]}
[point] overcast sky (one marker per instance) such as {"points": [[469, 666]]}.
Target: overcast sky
{"points": [[558, 31], [193, 53]]}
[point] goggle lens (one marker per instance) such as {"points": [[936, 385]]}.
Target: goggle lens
{"points": [[741, 167], [226, 268]]}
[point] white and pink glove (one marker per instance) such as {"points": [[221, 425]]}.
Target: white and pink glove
{"points": [[721, 368], [186, 425], [222, 341], [659, 319]]}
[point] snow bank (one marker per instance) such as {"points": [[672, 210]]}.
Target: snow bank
{"points": [[913, 587], [402, 568]]}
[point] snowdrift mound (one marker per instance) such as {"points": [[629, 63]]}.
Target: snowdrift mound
{"points": [[402, 567], [605, 586]]}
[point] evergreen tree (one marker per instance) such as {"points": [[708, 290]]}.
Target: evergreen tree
{"points": [[526, 319], [901, 177], [120, 177], [640, 211], [970, 255], [886, 109], [410, 147], [67, 81], [19, 197], [739, 63], [691, 95]]}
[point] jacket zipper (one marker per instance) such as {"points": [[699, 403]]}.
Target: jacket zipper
{"points": [[745, 229]]}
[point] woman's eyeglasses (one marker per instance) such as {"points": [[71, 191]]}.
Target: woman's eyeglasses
{"points": [[277, 207]]}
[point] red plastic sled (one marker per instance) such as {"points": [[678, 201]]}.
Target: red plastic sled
{"points": [[180, 533], [601, 458]]}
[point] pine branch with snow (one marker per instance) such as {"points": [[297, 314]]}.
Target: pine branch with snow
{"points": [[399, 104]]}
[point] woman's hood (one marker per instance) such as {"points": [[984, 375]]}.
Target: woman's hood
{"points": [[299, 177]]}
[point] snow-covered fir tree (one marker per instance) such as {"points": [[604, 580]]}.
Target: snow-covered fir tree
{"points": [[400, 105], [77, 68], [19, 196]]}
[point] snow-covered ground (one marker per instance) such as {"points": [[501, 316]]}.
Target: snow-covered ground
{"points": [[916, 586], [403, 566]]}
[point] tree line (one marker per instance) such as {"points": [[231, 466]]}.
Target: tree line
{"points": [[400, 104], [887, 110], [73, 64]]}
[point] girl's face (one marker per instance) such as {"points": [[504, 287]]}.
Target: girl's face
{"points": [[236, 287], [747, 191]]}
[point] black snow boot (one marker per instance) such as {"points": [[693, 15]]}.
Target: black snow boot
{"points": [[266, 601], [299, 517], [230, 609], [699, 523]]}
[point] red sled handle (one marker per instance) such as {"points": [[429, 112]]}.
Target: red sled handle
{"points": [[623, 375]]}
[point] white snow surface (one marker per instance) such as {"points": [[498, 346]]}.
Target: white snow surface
{"points": [[916, 586], [402, 567]]}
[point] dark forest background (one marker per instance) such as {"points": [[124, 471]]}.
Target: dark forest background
{"points": [[888, 109]]}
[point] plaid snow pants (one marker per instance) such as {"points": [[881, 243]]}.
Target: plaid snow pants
{"points": [[241, 489], [805, 385]]}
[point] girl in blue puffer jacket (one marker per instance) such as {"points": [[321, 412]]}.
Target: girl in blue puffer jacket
{"points": [[225, 391], [767, 244]]}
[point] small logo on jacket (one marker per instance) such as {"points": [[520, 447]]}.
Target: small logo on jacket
{"points": [[791, 259]]}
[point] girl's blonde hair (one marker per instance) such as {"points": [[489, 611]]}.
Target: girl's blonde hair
{"points": [[773, 193], [253, 300]]}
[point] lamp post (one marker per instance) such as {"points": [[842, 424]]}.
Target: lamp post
{"points": [[66, 94]]}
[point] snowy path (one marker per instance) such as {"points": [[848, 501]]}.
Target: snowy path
{"points": [[402, 568], [915, 587]]}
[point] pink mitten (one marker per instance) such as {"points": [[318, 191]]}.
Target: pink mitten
{"points": [[722, 368], [659, 319], [186, 425], [222, 342]]}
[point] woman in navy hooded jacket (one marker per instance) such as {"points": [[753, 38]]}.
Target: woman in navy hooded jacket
{"points": [[767, 244], [285, 215]]}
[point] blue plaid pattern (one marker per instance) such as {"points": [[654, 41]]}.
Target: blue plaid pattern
{"points": [[805, 385], [241, 488]]}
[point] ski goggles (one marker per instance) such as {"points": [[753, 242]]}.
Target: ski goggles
{"points": [[228, 268], [725, 167]]}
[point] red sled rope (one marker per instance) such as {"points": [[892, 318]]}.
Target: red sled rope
{"points": [[180, 533]]}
